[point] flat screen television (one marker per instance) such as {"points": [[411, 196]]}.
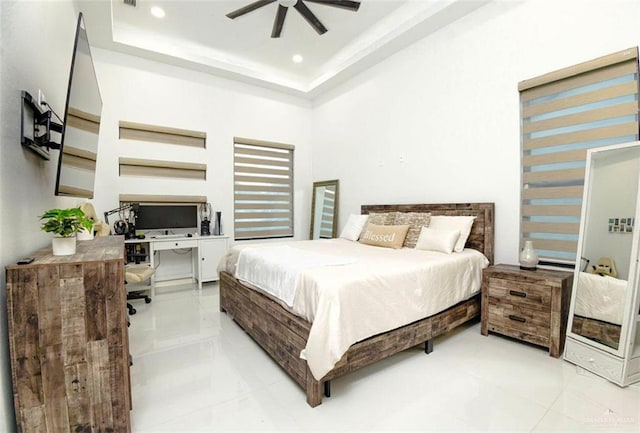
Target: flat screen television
{"points": [[83, 110], [167, 217]]}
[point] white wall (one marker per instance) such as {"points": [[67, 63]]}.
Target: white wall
{"points": [[36, 40], [448, 107], [150, 92]]}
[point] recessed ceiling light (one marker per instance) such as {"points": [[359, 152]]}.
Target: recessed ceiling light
{"points": [[157, 11], [297, 58]]}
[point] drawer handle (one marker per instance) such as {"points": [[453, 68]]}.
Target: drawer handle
{"points": [[518, 294], [176, 244], [517, 319]]}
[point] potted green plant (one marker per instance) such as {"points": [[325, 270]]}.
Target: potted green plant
{"points": [[65, 224]]}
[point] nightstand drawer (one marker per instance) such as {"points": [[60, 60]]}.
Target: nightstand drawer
{"points": [[519, 293], [522, 323]]}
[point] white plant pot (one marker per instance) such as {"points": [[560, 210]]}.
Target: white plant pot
{"points": [[63, 246], [84, 235]]}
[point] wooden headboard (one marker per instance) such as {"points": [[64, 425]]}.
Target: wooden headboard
{"points": [[482, 232]]}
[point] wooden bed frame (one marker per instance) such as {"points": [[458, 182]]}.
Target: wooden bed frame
{"points": [[283, 335]]}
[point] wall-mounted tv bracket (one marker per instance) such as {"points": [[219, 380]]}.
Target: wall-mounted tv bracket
{"points": [[36, 126]]}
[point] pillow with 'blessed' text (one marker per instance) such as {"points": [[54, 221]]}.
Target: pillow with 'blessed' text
{"points": [[384, 236]]}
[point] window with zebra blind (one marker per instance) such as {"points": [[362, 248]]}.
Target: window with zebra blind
{"points": [[563, 114], [263, 189]]}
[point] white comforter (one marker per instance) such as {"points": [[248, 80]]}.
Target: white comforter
{"points": [[382, 290], [276, 270]]}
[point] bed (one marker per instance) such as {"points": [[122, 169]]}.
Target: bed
{"points": [[284, 335]]}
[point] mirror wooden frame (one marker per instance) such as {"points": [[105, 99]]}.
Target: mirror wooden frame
{"points": [[316, 187]]}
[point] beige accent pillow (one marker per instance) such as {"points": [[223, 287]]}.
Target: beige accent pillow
{"points": [[415, 220], [461, 223], [384, 236], [380, 219], [441, 240]]}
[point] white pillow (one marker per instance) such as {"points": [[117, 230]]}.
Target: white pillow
{"points": [[354, 226], [441, 240], [460, 223]]}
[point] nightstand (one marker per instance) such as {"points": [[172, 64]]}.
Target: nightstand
{"points": [[531, 306]]}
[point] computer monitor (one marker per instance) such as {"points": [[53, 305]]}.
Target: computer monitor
{"points": [[167, 217]]}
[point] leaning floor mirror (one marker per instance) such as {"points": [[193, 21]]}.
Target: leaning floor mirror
{"points": [[324, 209], [603, 332]]}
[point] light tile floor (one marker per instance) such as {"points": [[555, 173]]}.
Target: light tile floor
{"points": [[197, 371]]}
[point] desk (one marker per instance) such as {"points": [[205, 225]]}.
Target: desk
{"points": [[206, 253]]}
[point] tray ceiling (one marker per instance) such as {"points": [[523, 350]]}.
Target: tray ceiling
{"points": [[198, 35]]}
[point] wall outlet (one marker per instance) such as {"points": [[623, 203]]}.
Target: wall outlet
{"points": [[41, 98]]}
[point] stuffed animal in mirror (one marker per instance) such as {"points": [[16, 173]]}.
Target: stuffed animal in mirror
{"points": [[100, 228], [604, 266]]}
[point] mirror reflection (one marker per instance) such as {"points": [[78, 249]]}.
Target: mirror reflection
{"points": [[79, 154], [607, 235], [79, 147], [324, 210]]}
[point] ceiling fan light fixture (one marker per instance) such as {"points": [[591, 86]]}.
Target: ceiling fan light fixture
{"points": [[301, 8], [287, 3]]}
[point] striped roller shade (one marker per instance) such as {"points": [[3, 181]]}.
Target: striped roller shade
{"points": [[263, 189], [563, 114]]}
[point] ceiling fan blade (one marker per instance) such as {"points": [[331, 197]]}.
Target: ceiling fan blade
{"points": [[279, 21], [310, 17], [343, 4], [248, 8]]}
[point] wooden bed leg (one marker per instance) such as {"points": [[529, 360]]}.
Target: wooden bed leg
{"points": [[313, 390], [327, 388], [428, 346]]}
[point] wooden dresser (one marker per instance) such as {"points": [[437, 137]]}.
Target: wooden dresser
{"points": [[68, 340], [528, 305]]}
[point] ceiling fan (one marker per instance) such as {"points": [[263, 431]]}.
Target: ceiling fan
{"points": [[284, 5]]}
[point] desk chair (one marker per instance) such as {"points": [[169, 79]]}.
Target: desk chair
{"points": [[136, 274]]}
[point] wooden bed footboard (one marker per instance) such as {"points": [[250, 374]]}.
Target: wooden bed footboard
{"points": [[283, 335]]}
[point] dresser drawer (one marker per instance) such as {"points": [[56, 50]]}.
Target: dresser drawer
{"points": [[175, 244], [533, 296], [593, 360]]}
